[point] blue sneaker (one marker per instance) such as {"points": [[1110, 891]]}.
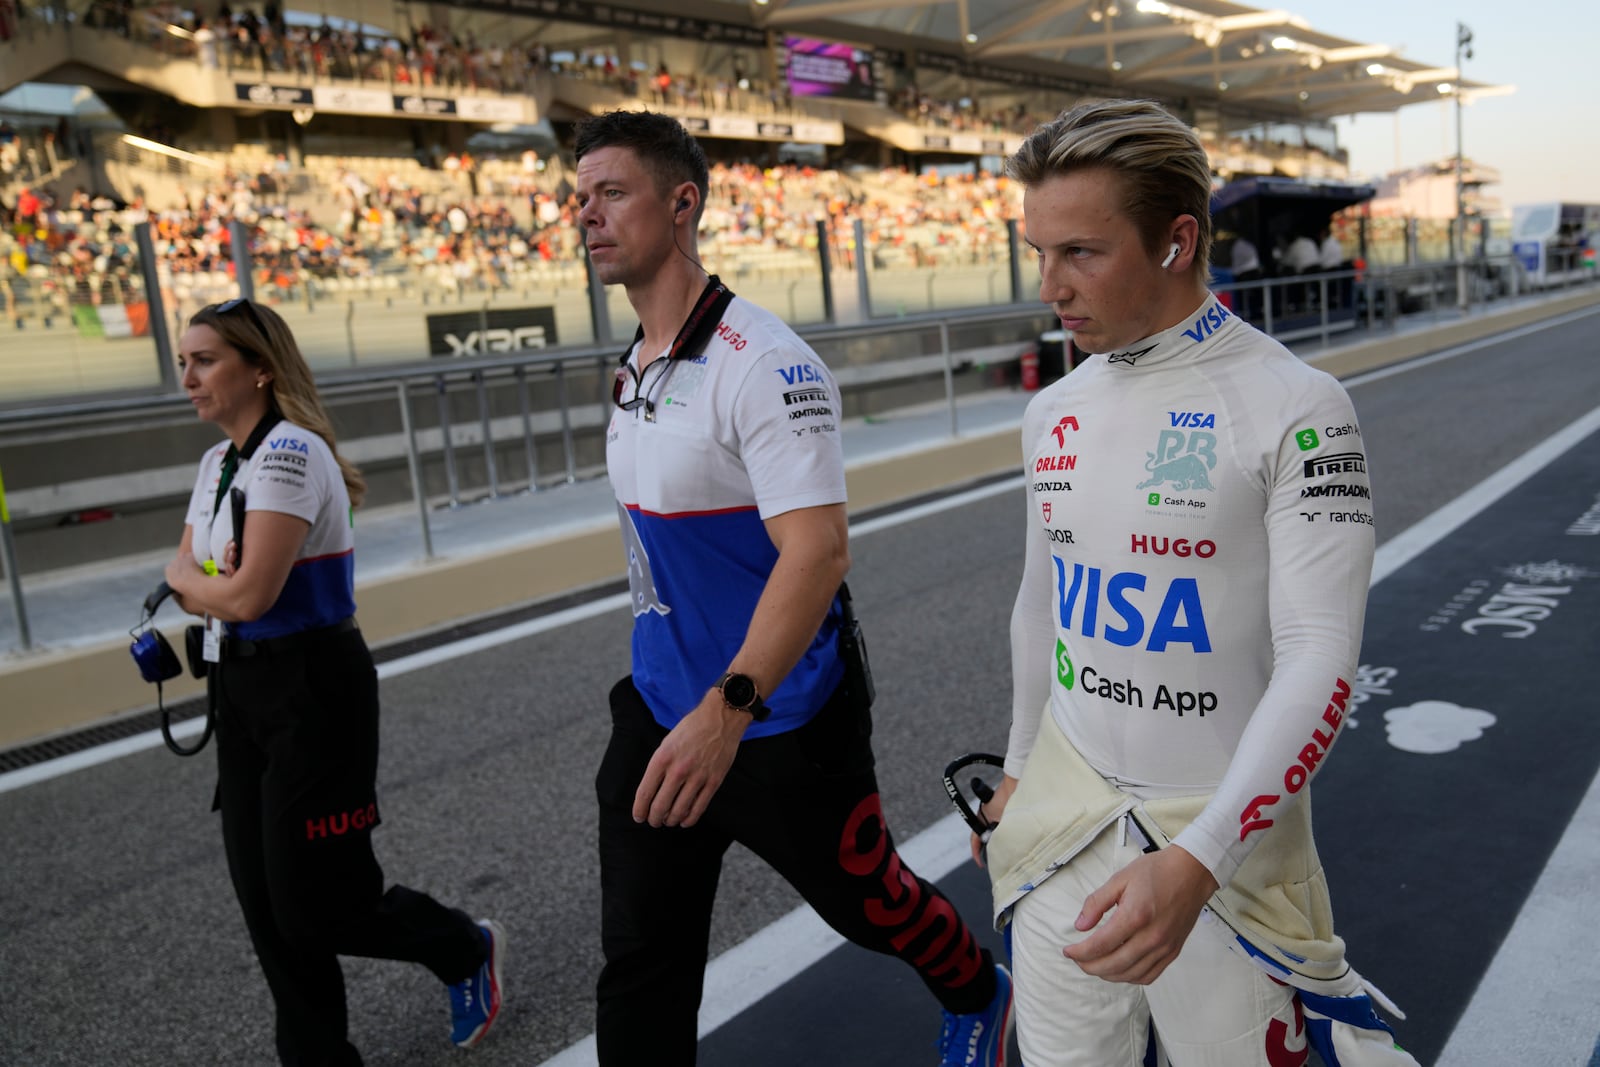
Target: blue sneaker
{"points": [[979, 1039], [475, 1000]]}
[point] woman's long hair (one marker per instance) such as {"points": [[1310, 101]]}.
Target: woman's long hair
{"points": [[265, 340]]}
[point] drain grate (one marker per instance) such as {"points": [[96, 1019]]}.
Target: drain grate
{"points": [[193, 707], [90, 736]]}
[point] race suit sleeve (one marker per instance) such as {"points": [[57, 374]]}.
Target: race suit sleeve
{"points": [[1032, 626], [1319, 567]]}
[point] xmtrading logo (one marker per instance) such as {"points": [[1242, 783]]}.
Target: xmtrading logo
{"points": [[1064, 672], [1306, 439]]}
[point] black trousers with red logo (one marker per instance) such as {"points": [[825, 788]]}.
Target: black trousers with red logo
{"points": [[297, 761], [806, 802]]}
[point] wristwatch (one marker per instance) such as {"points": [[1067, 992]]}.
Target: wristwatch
{"points": [[739, 693]]}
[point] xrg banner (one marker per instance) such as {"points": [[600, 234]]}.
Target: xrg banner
{"points": [[472, 333]]}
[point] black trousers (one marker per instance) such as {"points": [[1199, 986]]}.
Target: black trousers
{"points": [[297, 761], [806, 802]]}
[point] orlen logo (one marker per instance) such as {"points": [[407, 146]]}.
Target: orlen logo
{"points": [[287, 444], [800, 372], [1298, 773], [1177, 546], [1069, 422], [1179, 617], [1055, 463]]}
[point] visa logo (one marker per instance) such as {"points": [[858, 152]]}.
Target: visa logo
{"points": [[800, 372], [1194, 420], [288, 444], [1208, 322], [1179, 618]]}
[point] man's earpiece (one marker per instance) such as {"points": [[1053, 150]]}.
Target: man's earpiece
{"points": [[683, 203], [1172, 255]]}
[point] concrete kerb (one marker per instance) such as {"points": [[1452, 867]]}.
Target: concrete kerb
{"points": [[57, 691]]}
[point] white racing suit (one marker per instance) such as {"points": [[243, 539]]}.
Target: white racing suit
{"points": [[1199, 548]]}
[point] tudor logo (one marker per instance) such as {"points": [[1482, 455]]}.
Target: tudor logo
{"points": [[1046, 509]]}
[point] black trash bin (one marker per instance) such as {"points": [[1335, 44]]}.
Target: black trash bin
{"points": [[1052, 356]]}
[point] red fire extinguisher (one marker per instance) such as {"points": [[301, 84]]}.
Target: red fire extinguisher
{"points": [[1030, 370]]}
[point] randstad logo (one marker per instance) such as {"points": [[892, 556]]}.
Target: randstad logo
{"points": [[1064, 672]]}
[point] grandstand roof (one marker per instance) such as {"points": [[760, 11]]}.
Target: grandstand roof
{"points": [[1209, 52]]}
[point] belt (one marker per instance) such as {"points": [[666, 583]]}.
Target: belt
{"points": [[241, 648]]}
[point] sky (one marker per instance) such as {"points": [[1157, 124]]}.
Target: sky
{"points": [[1542, 138]]}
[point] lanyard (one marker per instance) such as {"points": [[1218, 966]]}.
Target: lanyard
{"points": [[691, 340], [230, 461]]}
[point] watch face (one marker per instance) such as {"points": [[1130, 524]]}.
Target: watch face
{"points": [[739, 691]]}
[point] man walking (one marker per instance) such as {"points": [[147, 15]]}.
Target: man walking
{"points": [[737, 722]]}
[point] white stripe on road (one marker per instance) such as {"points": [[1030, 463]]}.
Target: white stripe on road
{"points": [[467, 646], [769, 959], [1409, 544], [1538, 991], [1459, 350]]}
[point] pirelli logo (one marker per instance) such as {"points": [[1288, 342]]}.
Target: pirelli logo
{"points": [[812, 395], [1338, 463]]}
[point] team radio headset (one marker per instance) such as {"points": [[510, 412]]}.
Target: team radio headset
{"points": [[156, 660]]}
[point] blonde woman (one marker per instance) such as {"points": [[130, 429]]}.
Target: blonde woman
{"points": [[267, 558]]}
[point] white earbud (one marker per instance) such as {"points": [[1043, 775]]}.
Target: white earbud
{"points": [[1172, 255]]}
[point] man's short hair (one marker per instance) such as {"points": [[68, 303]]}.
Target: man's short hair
{"points": [[1164, 168], [669, 152]]}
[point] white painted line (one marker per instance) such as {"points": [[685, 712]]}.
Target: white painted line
{"points": [[89, 757], [1460, 350], [766, 961], [1519, 1004], [1408, 545]]}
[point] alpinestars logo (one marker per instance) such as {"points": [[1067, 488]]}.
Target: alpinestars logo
{"points": [[1130, 358]]}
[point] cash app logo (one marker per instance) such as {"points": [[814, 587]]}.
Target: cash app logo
{"points": [[1153, 499], [1064, 672], [1306, 439]]}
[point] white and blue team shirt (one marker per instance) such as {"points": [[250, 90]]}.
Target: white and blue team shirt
{"points": [[746, 430], [1199, 546], [293, 472]]}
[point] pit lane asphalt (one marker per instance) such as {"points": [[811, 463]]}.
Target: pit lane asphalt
{"points": [[122, 944]]}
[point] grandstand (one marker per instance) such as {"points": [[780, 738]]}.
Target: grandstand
{"points": [[399, 157]]}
